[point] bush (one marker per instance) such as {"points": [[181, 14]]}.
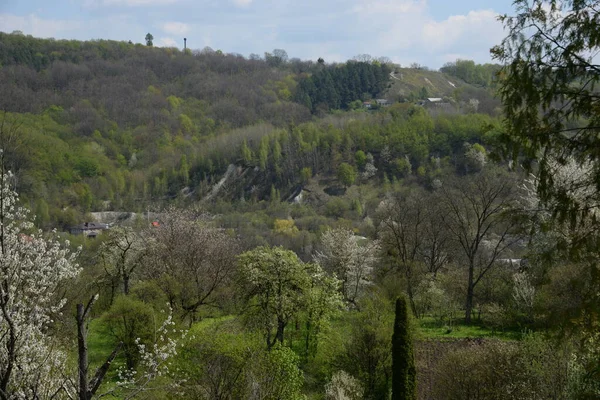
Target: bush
{"points": [[496, 370]]}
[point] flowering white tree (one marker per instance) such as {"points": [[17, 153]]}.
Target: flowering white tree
{"points": [[350, 261], [32, 269]]}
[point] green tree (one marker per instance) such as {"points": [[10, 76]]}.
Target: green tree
{"points": [[130, 321], [278, 285], [305, 174], [360, 158], [346, 174], [404, 385], [549, 89], [149, 39]]}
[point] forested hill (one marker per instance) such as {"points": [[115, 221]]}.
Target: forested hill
{"points": [[106, 125]]}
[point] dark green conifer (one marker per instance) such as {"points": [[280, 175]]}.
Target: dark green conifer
{"points": [[404, 383]]}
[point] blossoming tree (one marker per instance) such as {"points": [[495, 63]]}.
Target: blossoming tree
{"points": [[32, 269]]}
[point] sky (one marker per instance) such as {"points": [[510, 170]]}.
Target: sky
{"points": [[428, 32]]}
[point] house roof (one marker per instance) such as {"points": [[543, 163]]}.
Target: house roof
{"points": [[88, 226], [434, 99]]}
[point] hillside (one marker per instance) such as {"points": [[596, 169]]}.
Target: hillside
{"points": [[113, 126], [407, 81]]}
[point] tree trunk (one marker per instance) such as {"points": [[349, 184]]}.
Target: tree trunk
{"points": [[280, 328], [126, 284], [84, 393], [409, 291], [469, 302]]}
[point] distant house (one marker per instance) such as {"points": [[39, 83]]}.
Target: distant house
{"points": [[89, 229], [367, 104], [383, 102]]}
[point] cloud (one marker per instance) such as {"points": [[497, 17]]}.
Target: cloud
{"points": [[476, 26], [175, 28], [127, 3], [242, 3], [387, 7], [167, 42], [33, 25]]}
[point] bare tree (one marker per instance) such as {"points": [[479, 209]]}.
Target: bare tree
{"points": [[476, 212], [191, 261], [402, 234], [121, 255]]}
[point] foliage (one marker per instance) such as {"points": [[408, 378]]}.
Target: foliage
{"points": [[548, 90], [278, 286], [346, 174], [337, 87], [220, 362], [131, 321], [493, 369], [367, 347], [468, 71], [404, 385]]}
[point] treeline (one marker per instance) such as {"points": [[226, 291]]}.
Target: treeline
{"points": [[63, 174], [475, 74], [337, 87], [108, 82]]}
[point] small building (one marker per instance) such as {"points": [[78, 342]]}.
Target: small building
{"points": [[383, 102], [89, 229]]}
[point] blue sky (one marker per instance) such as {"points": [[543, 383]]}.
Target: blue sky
{"points": [[430, 32]]}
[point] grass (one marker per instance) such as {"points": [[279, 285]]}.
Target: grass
{"points": [[431, 328], [101, 344], [412, 80]]}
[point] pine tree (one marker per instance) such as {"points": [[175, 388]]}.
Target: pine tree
{"points": [[404, 385]]}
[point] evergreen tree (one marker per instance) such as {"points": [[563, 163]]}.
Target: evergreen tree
{"points": [[404, 384]]}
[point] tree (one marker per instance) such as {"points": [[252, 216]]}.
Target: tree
{"points": [[404, 385], [121, 255], [549, 90], [278, 286], [87, 389], [149, 39], [33, 268], [191, 261], [401, 232], [367, 351], [476, 212], [548, 87], [343, 255], [346, 174]]}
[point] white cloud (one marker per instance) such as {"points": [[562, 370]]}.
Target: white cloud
{"points": [[476, 26], [167, 42], [36, 26], [175, 28]]}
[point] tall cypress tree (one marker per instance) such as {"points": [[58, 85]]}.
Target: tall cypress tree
{"points": [[404, 383]]}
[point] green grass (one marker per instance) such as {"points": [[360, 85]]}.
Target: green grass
{"points": [[431, 328], [101, 344]]}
